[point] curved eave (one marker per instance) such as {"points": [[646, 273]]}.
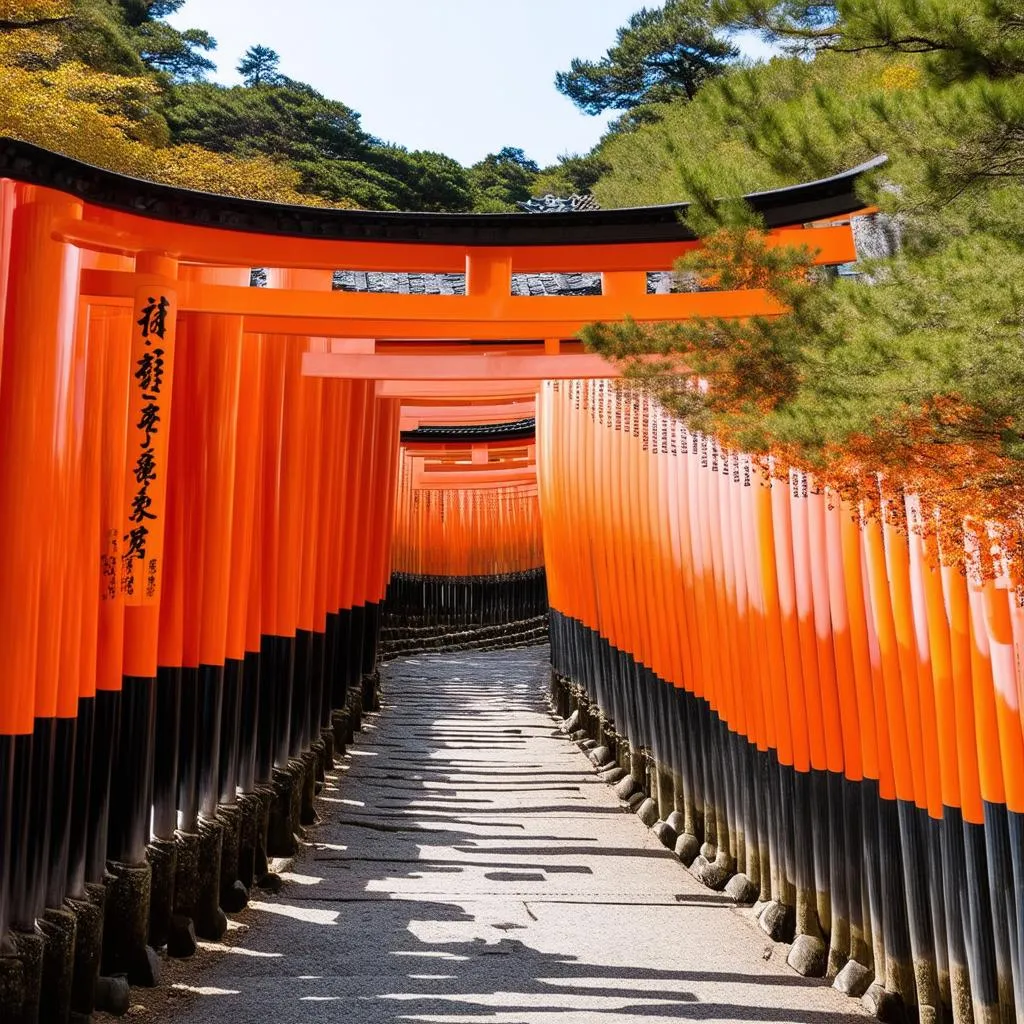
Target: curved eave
{"points": [[22, 161], [520, 430]]}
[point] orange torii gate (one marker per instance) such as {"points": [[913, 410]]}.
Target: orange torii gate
{"points": [[198, 481]]}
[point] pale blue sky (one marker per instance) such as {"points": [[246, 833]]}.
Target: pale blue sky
{"points": [[464, 77]]}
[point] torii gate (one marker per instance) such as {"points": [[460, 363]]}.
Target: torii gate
{"points": [[128, 597]]}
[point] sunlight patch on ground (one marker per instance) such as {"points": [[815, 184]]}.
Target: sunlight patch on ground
{"points": [[435, 954], [216, 947], [674, 985], [206, 990], [291, 876], [309, 914], [543, 999]]}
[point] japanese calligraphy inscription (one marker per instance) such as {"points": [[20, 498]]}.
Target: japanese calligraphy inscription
{"points": [[153, 332]]}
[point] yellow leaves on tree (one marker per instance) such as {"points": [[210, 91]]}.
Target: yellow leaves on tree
{"points": [[32, 12], [254, 178], [101, 118], [900, 76]]}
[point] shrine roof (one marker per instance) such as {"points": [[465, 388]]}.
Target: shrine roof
{"points": [[471, 433], [796, 204]]}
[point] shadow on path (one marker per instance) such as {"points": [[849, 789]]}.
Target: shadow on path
{"points": [[471, 868]]}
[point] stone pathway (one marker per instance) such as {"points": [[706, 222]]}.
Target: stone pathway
{"points": [[471, 868]]}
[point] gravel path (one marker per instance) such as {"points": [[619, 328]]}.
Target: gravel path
{"points": [[471, 868]]}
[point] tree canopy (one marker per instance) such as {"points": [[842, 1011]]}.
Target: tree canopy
{"points": [[662, 54], [910, 371], [259, 67], [141, 87], [502, 179]]}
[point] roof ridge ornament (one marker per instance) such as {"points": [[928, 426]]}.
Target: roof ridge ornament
{"points": [[559, 204]]}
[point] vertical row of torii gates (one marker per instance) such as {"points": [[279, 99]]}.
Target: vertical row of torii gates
{"points": [[206, 487]]}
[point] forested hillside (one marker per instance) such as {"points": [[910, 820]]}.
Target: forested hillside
{"points": [[918, 377], [111, 82]]}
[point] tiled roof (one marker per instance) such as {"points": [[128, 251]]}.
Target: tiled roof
{"points": [[455, 284], [523, 429]]}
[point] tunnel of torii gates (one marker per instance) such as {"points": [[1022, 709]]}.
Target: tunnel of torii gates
{"points": [[206, 486]]}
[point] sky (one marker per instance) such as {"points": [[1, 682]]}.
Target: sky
{"points": [[462, 77]]}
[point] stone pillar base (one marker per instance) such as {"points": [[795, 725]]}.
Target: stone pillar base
{"points": [[126, 925]]}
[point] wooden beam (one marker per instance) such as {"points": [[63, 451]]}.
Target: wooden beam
{"points": [[468, 367], [452, 390], [462, 450], [127, 234], [482, 484], [478, 469], [459, 478], [486, 317]]}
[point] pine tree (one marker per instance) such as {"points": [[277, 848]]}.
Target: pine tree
{"points": [[258, 67], [914, 370], [661, 54]]}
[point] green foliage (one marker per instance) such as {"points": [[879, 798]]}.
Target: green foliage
{"points": [[712, 146], [502, 179], [258, 67], [576, 174], [290, 134], [663, 53], [961, 40], [178, 54], [129, 37], [322, 139], [423, 180], [289, 121], [915, 369]]}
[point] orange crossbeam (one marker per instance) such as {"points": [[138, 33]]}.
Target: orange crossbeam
{"points": [[121, 233], [475, 469], [451, 390], [488, 316], [456, 415], [462, 450], [483, 484], [468, 367], [463, 476]]}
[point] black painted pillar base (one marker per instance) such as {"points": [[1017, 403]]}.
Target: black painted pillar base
{"points": [[88, 947], [371, 691], [31, 947], [307, 808], [126, 925], [58, 927], [283, 822], [267, 796], [234, 894], [211, 923], [12, 988], [355, 712], [327, 764], [186, 875], [341, 729], [162, 855], [249, 808]]}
